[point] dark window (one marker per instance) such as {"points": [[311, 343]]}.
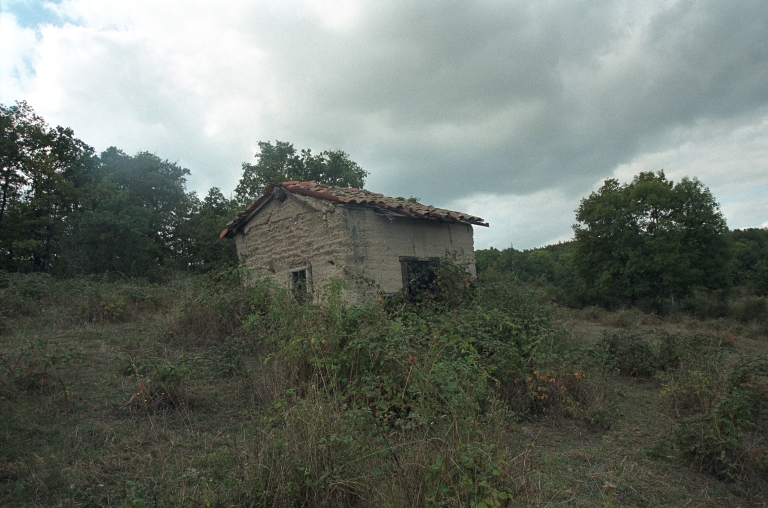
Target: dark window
{"points": [[301, 283], [418, 275]]}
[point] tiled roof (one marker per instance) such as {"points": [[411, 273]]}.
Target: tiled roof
{"points": [[352, 196]]}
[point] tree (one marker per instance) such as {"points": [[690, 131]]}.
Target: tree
{"points": [[197, 238], [750, 261], [44, 176], [651, 237], [280, 163], [131, 223]]}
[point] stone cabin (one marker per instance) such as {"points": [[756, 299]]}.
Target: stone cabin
{"points": [[304, 234]]}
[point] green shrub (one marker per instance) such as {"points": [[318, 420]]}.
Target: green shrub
{"points": [[211, 308], [413, 364], [706, 305], [759, 279], [717, 439], [635, 355], [34, 367], [693, 390], [160, 383], [79, 299], [467, 476], [25, 294], [750, 310]]}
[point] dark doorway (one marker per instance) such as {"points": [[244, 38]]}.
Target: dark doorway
{"points": [[418, 275]]}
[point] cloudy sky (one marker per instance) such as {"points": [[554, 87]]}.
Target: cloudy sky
{"points": [[512, 111]]}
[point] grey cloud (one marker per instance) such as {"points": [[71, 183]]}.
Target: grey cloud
{"points": [[519, 97], [441, 100]]}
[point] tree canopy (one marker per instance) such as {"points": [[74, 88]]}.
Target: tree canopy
{"points": [[750, 263], [44, 176], [651, 236], [281, 162], [64, 209]]}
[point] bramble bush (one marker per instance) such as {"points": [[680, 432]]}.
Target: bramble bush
{"points": [[211, 307], [723, 438], [160, 383], [390, 371]]}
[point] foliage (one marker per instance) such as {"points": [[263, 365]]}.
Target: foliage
{"points": [[717, 437], [281, 163], [63, 210], [44, 178], [213, 307], [655, 353], [550, 268], [750, 259], [637, 356], [34, 367], [469, 478], [554, 270], [159, 383], [129, 228], [651, 237], [22, 293], [196, 239], [489, 399], [81, 300]]}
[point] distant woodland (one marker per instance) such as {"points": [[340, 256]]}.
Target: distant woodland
{"points": [[65, 210]]}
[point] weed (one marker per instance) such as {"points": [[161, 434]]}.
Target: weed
{"points": [[159, 383], [213, 307], [275, 403], [635, 355], [715, 439], [33, 367]]}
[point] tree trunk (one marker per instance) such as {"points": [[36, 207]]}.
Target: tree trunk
{"points": [[661, 295], [4, 201]]}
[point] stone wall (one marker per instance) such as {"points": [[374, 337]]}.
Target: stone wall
{"points": [[379, 242], [294, 233], [346, 242]]}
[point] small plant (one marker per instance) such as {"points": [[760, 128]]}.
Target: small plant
{"points": [[159, 383], [216, 306], [23, 293], [468, 476], [34, 367], [100, 301]]}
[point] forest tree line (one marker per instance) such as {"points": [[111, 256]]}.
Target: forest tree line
{"points": [[651, 241], [66, 210], [554, 268]]}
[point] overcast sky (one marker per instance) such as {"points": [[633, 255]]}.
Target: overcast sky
{"points": [[512, 111]]}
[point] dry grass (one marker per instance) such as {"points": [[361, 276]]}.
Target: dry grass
{"points": [[247, 435]]}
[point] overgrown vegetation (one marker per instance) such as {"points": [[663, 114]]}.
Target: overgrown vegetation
{"points": [[201, 391], [137, 370], [552, 269]]}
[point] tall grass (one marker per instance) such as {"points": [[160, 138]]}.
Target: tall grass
{"points": [[207, 392]]}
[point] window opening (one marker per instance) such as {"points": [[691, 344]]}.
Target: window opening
{"points": [[301, 283], [418, 275]]}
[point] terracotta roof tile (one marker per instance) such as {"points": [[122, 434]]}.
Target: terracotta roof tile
{"points": [[352, 196]]}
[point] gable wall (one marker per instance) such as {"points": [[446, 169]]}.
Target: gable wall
{"points": [[293, 233]]}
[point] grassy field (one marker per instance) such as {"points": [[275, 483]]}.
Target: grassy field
{"points": [[201, 393]]}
